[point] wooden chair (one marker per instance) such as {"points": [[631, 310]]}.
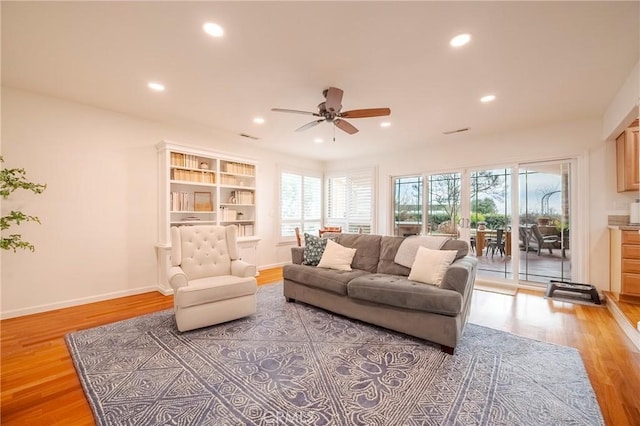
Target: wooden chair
{"points": [[497, 243], [329, 229], [298, 237]]}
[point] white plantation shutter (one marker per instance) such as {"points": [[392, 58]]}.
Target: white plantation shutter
{"points": [[360, 213], [336, 201], [349, 201], [300, 203]]}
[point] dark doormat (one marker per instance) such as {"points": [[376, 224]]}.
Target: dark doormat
{"points": [[566, 291]]}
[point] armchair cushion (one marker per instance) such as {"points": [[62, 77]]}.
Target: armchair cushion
{"points": [[214, 289]]}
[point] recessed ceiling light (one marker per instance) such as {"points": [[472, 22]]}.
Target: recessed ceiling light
{"points": [[158, 87], [460, 40], [487, 98], [258, 120], [214, 30], [385, 124], [318, 140]]}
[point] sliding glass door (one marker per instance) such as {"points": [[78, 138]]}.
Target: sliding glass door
{"points": [[545, 212], [491, 222], [515, 219], [408, 203]]}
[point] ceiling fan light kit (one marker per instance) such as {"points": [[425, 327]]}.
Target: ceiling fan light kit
{"points": [[330, 111]]}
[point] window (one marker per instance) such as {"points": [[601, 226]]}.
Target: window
{"points": [[349, 201], [300, 203], [407, 201]]}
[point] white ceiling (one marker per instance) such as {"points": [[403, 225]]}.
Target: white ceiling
{"points": [[545, 61]]}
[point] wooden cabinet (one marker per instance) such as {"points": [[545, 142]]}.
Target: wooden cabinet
{"points": [[625, 262], [627, 152]]}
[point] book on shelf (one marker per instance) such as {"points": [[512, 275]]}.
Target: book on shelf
{"points": [[180, 201], [193, 176], [241, 197], [228, 180], [244, 230], [229, 214], [184, 160], [239, 168]]}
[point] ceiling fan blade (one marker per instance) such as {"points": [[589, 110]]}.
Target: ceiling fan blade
{"points": [[309, 125], [345, 126], [334, 99], [364, 113], [295, 111]]}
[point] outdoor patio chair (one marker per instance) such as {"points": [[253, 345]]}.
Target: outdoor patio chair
{"points": [[497, 243], [542, 241]]}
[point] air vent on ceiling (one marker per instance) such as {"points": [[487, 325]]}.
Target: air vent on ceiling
{"points": [[244, 135], [450, 132]]}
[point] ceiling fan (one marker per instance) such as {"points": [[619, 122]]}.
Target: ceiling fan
{"points": [[330, 111]]}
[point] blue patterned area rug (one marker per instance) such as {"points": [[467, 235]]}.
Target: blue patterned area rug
{"points": [[292, 364]]}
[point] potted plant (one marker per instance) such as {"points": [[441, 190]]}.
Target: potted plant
{"points": [[10, 181], [543, 220]]}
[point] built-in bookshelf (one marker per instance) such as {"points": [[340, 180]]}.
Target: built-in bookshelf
{"points": [[198, 186]]}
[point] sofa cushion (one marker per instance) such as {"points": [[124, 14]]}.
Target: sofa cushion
{"points": [[430, 265], [386, 264], [403, 293], [337, 257], [367, 250], [326, 279]]}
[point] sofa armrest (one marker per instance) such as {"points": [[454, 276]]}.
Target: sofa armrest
{"points": [[177, 278], [297, 254], [460, 276], [241, 268]]}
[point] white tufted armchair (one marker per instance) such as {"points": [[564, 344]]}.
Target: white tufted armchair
{"points": [[210, 283]]}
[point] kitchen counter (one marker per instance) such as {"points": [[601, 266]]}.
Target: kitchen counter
{"points": [[621, 222], [628, 227]]}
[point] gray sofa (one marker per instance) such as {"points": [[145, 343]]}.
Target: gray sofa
{"points": [[379, 292]]}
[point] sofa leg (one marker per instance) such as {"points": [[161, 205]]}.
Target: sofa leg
{"points": [[447, 349], [290, 300]]}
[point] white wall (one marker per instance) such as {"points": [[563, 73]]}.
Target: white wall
{"points": [[623, 108], [99, 211]]}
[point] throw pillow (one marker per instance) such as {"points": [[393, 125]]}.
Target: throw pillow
{"points": [[430, 265], [337, 257], [313, 249], [406, 253]]}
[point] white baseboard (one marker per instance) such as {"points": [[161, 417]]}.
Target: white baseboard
{"points": [[632, 333], [74, 302], [164, 292]]}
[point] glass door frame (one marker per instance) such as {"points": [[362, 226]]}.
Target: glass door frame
{"points": [[577, 215]]}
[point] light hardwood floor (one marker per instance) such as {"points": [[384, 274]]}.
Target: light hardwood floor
{"points": [[40, 385]]}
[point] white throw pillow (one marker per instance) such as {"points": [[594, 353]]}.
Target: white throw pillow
{"points": [[336, 256], [430, 265], [406, 253]]}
